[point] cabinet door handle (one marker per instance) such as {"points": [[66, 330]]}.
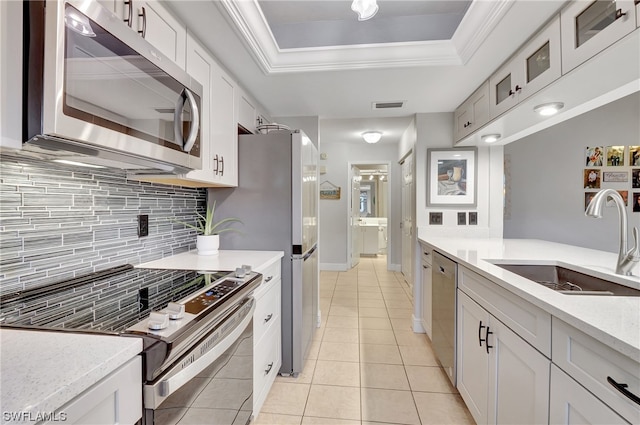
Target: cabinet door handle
{"points": [[221, 165], [480, 328], [425, 266], [143, 15], [620, 14], [266, 319], [487, 339], [129, 20], [441, 269], [268, 369], [518, 88], [623, 389], [217, 164], [268, 279], [427, 252]]}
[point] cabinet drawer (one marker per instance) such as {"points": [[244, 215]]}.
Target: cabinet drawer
{"points": [[591, 362], [266, 364], [426, 253], [270, 273], [528, 321], [267, 310]]}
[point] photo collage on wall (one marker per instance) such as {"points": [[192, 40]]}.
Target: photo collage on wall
{"points": [[613, 167]]}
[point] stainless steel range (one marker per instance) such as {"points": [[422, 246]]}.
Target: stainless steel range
{"points": [[193, 324]]}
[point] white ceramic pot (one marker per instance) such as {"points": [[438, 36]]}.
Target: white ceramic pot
{"points": [[207, 245]]}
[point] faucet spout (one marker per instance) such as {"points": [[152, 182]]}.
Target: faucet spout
{"points": [[626, 257]]}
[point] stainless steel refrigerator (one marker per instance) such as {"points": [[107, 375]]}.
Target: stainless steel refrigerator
{"points": [[277, 201]]}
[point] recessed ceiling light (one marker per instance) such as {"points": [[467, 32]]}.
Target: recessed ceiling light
{"points": [[548, 109], [365, 9], [372, 136], [490, 138]]}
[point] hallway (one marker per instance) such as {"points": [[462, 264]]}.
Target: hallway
{"points": [[366, 366]]}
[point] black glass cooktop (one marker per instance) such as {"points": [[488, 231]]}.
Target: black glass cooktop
{"points": [[111, 300]]}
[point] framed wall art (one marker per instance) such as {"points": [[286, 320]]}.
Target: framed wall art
{"points": [[451, 177]]}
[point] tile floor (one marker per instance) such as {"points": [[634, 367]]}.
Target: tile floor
{"points": [[366, 366]]}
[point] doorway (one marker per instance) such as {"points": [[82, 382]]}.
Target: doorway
{"points": [[369, 211]]}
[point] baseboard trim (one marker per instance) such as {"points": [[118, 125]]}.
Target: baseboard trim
{"points": [[334, 267], [395, 267]]}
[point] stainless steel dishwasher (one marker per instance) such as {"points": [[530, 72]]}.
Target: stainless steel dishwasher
{"points": [[444, 313]]}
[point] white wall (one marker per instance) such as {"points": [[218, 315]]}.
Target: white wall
{"points": [[334, 214], [546, 178], [310, 125]]}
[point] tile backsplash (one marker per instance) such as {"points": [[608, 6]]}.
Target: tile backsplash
{"points": [[59, 221]]}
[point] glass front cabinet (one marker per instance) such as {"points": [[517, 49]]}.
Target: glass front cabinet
{"points": [[589, 27], [535, 66]]}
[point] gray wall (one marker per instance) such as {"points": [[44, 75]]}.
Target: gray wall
{"points": [[545, 195], [334, 217], [59, 222]]}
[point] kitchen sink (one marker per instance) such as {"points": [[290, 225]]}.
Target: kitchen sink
{"points": [[569, 281]]}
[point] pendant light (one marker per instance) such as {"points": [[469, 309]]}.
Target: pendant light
{"points": [[365, 9]]}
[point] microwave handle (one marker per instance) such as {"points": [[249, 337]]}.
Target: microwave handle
{"points": [[186, 95]]}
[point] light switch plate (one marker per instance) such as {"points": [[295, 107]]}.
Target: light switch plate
{"points": [[435, 218], [462, 218], [473, 218]]}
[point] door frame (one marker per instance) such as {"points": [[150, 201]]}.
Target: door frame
{"points": [[351, 164]]}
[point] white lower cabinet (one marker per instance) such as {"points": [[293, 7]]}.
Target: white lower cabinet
{"points": [[572, 404], [427, 285], [117, 399], [267, 334], [502, 379]]}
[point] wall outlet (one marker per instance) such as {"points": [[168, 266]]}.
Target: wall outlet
{"points": [[143, 225], [435, 218], [462, 218], [473, 218], [143, 299]]}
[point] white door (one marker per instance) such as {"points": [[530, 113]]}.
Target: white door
{"points": [[355, 216], [407, 219]]}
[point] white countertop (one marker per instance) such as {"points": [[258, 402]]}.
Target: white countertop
{"points": [[613, 320], [42, 371], [225, 260]]}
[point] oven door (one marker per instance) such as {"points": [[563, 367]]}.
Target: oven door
{"points": [[213, 380], [104, 85]]}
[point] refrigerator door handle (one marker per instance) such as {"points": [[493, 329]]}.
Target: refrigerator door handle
{"points": [[310, 252]]}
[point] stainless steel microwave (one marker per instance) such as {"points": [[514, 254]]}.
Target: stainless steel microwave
{"points": [[95, 92]]}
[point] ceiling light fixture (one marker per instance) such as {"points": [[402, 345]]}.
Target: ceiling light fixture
{"points": [[548, 109], [372, 136], [490, 138], [365, 9]]}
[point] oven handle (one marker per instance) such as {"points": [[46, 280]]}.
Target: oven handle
{"points": [[155, 394]]}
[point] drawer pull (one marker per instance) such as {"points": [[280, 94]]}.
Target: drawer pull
{"points": [[268, 279], [480, 328], [623, 389], [268, 369], [426, 253], [266, 319], [487, 339], [620, 14]]}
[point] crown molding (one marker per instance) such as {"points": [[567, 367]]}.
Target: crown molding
{"points": [[252, 26]]}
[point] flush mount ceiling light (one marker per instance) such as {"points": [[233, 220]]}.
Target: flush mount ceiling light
{"points": [[372, 136], [548, 109], [490, 138], [365, 9]]}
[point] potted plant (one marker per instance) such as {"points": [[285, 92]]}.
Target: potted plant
{"points": [[208, 241]]}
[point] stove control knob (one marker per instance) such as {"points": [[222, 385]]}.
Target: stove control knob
{"points": [[240, 272], [175, 311], [247, 268], [158, 321]]}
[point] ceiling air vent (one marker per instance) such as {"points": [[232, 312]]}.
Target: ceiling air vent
{"points": [[387, 105]]}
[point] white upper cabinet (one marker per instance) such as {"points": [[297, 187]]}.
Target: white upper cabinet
{"points": [[246, 112], [535, 66], [590, 27], [224, 131], [637, 13], [472, 114]]}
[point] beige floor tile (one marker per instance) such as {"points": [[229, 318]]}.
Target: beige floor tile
{"points": [[377, 336], [375, 323], [342, 322], [394, 294], [384, 376], [435, 408], [369, 289], [396, 303], [402, 324], [344, 374], [345, 302], [314, 349], [337, 310], [310, 420], [417, 356], [367, 281], [303, 377], [408, 337], [339, 351], [349, 335], [400, 313], [391, 406], [372, 312], [371, 303], [319, 333], [431, 379], [341, 293], [377, 353], [333, 402], [363, 295], [265, 418], [286, 398]]}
